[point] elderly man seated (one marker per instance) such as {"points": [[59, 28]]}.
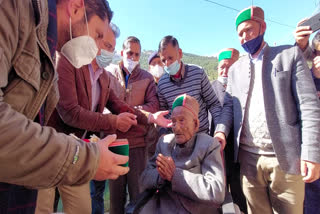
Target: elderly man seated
{"points": [[187, 166]]}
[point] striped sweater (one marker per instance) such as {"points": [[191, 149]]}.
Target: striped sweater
{"points": [[195, 83]]}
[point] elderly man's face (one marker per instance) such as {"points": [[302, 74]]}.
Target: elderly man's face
{"points": [[249, 30], [170, 54], [184, 124], [223, 67]]}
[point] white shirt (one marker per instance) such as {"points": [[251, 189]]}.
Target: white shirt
{"points": [[255, 136]]}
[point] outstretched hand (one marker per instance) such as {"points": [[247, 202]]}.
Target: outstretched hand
{"points": [[159, 119]]}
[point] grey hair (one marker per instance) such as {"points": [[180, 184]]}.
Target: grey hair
{"points": [[115, 29]]}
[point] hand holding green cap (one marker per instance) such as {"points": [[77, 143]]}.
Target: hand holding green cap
{"points": [[121, 147]]}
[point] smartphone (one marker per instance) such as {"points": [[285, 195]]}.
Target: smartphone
{"points": [[313, 22]]}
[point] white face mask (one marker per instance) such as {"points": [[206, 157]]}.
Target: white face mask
{"points": [[129, 64], [223, 80], [81, 50], [157, 71]]}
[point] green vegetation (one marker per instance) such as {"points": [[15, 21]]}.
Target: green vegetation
{"points": [[209, 64]]}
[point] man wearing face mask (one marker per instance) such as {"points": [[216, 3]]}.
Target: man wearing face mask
{"points": [[276, 119], [155, 66], [31, 154], [227, 57], [76, 199], [139, 91], [182, 78]]}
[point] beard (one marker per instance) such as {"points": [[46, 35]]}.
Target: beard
{"points": [[78, 28]]}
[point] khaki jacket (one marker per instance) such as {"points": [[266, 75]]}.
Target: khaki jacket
{"points": [[140, 93], [31, 155]]}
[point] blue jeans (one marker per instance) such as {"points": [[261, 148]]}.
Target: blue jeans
{"points": [[312, 195], [97, 192]]}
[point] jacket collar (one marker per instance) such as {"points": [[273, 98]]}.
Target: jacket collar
{"points": [[41, 15], [86, 74], [135, 70]]}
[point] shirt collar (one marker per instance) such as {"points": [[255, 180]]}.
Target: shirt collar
{"points": [[95, 75], [260, 55], [183, 71]]}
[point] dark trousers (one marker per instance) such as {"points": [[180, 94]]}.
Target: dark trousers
{"points": [[97, 192], [233, 175], [118, 187], [312, 198], [17, 199]]}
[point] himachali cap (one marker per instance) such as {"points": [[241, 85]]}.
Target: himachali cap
{"points": [[251, 13], [188, 102], [229, 53]]}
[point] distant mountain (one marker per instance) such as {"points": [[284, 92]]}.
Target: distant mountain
{"points": [[209, 64]]}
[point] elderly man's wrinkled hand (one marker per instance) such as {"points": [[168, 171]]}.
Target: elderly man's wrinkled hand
{"points": [[310, 171], [109, 162], [166, 167]]}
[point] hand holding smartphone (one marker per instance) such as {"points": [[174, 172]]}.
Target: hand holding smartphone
{"points": [[313, 22]]}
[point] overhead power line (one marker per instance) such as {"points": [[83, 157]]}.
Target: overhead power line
{"points": [[234, 9], [222, 5]]}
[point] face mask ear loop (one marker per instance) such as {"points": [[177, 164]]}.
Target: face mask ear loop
{"points": [[85, 16], [70, 27]]}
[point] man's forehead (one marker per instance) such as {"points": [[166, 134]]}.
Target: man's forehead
{"points": [[248, 24], [132, 46], [155, 60], [181, 111], [169, 48]]}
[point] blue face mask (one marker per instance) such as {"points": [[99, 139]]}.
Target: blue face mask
{"points": [[253, 45], [173, 68], [104, 59]]}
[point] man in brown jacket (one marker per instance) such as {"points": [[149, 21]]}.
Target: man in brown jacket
{"points": [[137, 88], [30, 154]]}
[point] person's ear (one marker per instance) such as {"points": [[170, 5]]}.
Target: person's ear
{"points": [[122, 53], [196, 125], [76, 10], [263, 27], [180, 53]]}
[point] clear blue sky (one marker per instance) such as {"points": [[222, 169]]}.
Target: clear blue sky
{"points": [[201, 27]]}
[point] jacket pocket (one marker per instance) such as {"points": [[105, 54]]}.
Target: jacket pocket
{"points": [[27, 67], [23, 84]]}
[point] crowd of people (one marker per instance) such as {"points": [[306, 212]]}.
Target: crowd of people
{"points": [[59, 88]]}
